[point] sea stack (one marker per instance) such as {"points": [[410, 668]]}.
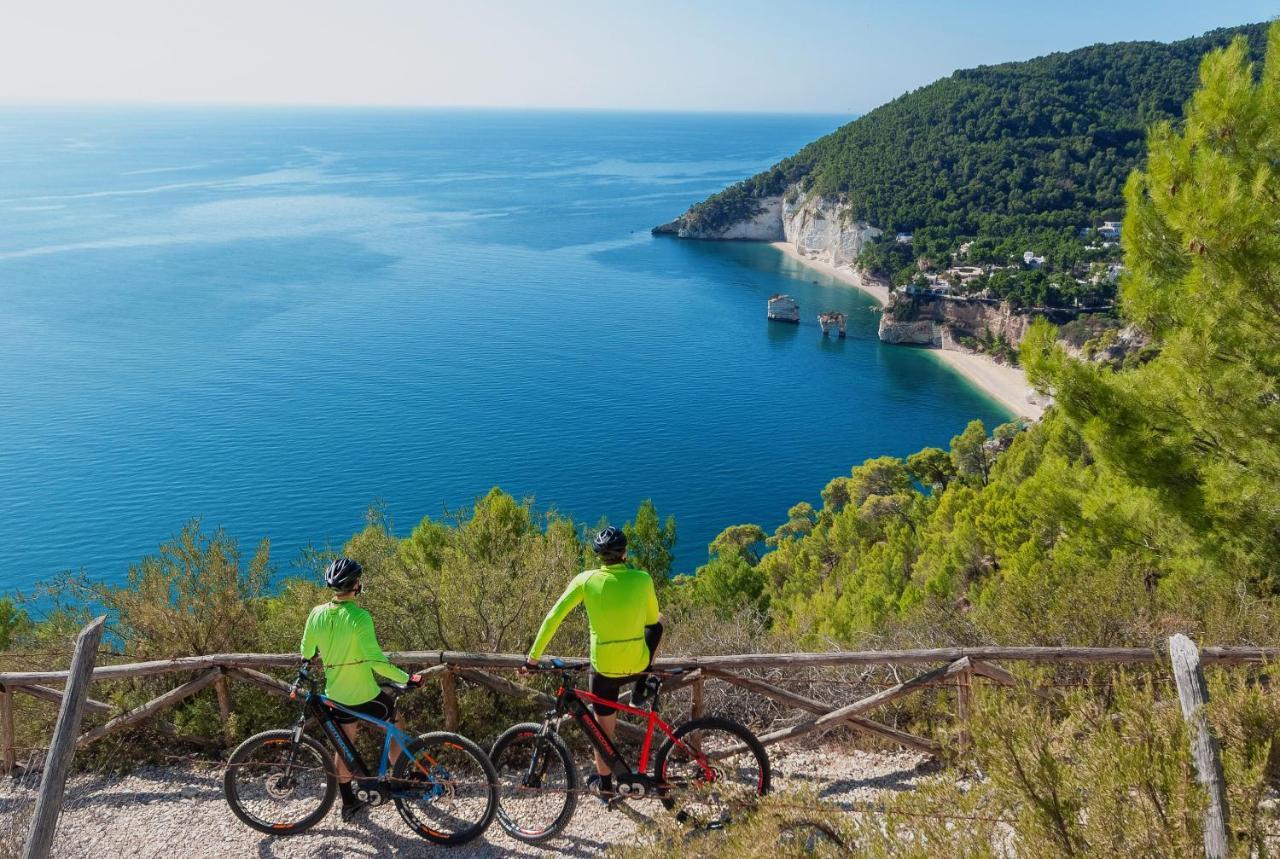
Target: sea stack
{"points": [[783, 308], [832, 320]]}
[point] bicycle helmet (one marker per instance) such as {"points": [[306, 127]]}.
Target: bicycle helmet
{"points": [[610, 541], [343, 574]]}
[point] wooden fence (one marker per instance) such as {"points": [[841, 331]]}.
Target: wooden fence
{"points": [[958, 667]]}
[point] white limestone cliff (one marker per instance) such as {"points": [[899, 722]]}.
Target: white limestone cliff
{"points": [[824, 229]]}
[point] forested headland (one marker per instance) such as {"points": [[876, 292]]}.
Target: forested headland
{"points": [[1007, 158]]}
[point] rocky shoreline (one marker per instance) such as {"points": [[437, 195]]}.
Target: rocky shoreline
{"points": [[822, 234], [1002, 382]]}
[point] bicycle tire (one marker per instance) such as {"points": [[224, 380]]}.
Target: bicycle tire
{"points": [[511, 763], [240, 763], [446, 753], [681, 788]]}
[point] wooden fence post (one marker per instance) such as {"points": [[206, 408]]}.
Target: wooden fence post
{"points": [[53, 782], [220, 686], [697, 708], [449, 699], [7, 741], [1193, 694], [964, 706]]}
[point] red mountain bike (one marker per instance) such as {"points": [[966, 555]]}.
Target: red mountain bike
{"points": [[706, 769]]}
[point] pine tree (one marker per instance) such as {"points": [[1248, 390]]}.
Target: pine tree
{"points": [[1199, 425]]}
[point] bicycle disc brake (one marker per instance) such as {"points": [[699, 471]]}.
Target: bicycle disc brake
{"points": [[280, 786]]}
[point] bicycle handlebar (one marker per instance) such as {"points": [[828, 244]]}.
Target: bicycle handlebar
{"points": [[560, 665]]}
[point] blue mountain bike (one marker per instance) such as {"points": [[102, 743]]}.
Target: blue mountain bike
{"points": [[284, 781]]}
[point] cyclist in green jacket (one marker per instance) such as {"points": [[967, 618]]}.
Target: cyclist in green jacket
{"points": [[622, 611], [341, 632]]}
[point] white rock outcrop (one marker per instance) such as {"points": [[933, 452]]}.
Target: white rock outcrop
{"points": [[915, 332], [783, 308], [764, 227], [821, 228], [824, 229]]}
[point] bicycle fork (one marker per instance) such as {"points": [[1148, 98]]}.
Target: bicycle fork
{"points": [[286, 779], [538, 759]]}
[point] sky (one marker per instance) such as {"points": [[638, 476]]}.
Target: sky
{"points": [[816, 56]]}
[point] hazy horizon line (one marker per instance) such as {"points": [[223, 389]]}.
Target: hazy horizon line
{"points": [[126, 103]]}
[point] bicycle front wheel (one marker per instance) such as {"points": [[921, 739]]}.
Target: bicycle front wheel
{"points": [[278, 786], [537, 783], [713, 769], [445, 788]]}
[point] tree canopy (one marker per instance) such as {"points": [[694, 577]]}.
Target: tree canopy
{"points": [[1017, 155]]}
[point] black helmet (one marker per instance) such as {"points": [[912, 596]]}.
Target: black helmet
{"points": [[610, 541], [343, 574]]}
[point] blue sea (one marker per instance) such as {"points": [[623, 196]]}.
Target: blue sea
{"points": [[270, 319]]}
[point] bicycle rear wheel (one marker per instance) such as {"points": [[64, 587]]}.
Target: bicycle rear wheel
{"points": [[445, 788], [278, 786], [534, 802], [713, 769]]}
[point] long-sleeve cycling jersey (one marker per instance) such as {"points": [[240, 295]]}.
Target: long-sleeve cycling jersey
{"points": [[620, 603], [342, 633]]}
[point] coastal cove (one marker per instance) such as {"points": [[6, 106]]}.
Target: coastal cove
{"points": [[1004, 383], [271, 319]]}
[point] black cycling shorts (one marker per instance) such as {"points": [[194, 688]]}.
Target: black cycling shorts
{"points": [[609, 688], [383, 707]]}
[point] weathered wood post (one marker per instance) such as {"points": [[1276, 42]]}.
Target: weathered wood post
{"points": [[1193, 694], [964, 705], [53, 782], [221, 687], [449, 700], [7, 741], [697, 709]]}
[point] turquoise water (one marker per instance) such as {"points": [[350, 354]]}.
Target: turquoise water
{"points": [[270, 319]]}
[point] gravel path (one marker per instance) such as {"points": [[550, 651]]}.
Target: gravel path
{"points": [[180, 813]]}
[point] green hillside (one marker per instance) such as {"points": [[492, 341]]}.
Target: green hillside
{"points": [[1008, 150], [1145, 502]]}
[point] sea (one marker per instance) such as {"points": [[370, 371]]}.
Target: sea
{"points": [[271, 319]]}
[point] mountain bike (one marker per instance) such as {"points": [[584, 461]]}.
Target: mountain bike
{"points": [[284, 781], [706, 770]]}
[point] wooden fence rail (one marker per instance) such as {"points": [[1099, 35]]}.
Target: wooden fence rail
{"points": [[957, 666]]}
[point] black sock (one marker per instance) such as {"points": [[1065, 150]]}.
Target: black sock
{"points": [[348, 794], [606, 784]]}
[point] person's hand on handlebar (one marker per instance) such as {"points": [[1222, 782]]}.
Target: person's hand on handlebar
{"points": [[530, 666], [415, 681]]}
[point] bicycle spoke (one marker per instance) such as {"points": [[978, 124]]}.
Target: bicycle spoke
{"points": [[535, 801], [712, 776], [279, 784], [442, 789]]}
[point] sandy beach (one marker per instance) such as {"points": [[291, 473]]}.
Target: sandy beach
{"points": [[845, 273], [1007, 385]]}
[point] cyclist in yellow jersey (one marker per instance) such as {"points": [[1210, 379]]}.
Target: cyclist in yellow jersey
{"points": [[341, 632], [622, 611]]}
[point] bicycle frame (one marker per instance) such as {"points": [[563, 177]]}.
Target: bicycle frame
{"points": [[322, 709], [574, 701]]}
